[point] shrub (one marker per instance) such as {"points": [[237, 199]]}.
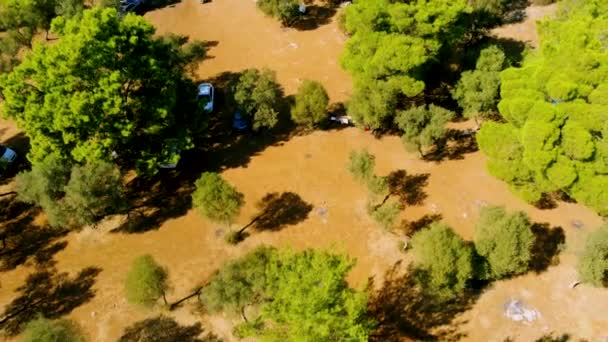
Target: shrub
{"points": [[361, 165], [311, 104], [386, 214], [216, 199], [284, 10], [504, 240], [146, 282], [593, 263], [45, 330]]}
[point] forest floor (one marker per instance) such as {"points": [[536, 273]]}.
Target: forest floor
{"points": [[81, 274]]}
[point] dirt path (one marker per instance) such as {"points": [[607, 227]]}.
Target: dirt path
{"points": [[313, 167]]}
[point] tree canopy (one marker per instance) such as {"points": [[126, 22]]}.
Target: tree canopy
{"points": [[311, 104], [391, 46], [146, 282], [423, 126], [45, 330], [504, 240], [554, 137], [107, 87], [258, 94], [593, 262], [216, 199], [477, 90], [303, 296], [444, 259], [284, 10]]}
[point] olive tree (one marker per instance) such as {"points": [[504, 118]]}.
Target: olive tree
{"points": [[146, 282], [45, 330], [504, 240], [593, 262], [361, 165], [310, 105]]}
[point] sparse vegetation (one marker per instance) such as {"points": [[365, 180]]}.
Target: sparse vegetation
{"points": [[593, 262], [45, 330], [146, 282]]}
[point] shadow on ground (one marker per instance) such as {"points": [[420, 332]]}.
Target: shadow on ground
{"points": [[166, 329], [409, 228], [456, 144], [404, 311], [547, 245], [314, 17], [281, 210], [151, 5], [408, 188], [50, 294]]}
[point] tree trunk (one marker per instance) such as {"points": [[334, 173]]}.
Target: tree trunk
{"points": [[242, 230], [383, 201], [176, 304], [8, 193], [165, 298], [243, 314]]}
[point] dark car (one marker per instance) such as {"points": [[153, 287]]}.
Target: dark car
{"points": [[240, 122]]}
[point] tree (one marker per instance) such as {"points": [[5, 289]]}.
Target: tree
{"points": [[44, 330], [554, 113], [75, 196], [423, 126], [216, 199], [311, 104], [94, 190], [477, 91], [391, 47], [593, 262], [445, 260], [284, 10], [146, 282], [107, 87], [258, 94], [361, 165], [504, 240], [385, 214], [239, 283]]}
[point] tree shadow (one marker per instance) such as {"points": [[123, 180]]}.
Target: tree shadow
{"points": [[514, 49], [546, 248], [165, 329], [151, 5], [49, 294], [404, 310], [408, 188], [554, 338], [409, 228], [454, 146], [21, 240], [280, 210], [314, 17]]}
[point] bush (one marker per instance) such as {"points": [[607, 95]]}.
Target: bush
{"points": [[444, 259], [593, 263], [284, 10], [361, 165], [311, 104], [146, 282], [386, 214], [216, 199], [505, 241], [45, 330]]}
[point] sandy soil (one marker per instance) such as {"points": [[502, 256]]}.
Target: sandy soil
{"points": [[313, 166], [525, 30]]}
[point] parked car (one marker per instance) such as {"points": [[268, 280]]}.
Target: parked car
{"points": [[127, 6], [205, 95], [239, 122], [342, 119], [7, 157]]}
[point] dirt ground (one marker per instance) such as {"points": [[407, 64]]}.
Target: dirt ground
{"points": [[313, 167]]}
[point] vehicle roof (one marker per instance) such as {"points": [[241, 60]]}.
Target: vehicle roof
{"points": [[204, 88]]}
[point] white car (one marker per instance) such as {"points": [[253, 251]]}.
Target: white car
{"points": [[127, 6], [343, 119], [206, 93], [7, 155]]}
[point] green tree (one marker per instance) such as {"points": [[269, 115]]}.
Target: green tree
{"points": [[385, 214], [216, 199], [593, 262], [391, 47], [361, 165], [504, 240], [146, 282], [444, 259], [284, 10], [258, 94], [423, 126], [311, 104], [239, 283], [554, 111], [108, 85], [45, 330], [477, 90]]}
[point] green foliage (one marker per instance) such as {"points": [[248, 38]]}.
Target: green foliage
{"points": [[258, 94], [386, 214], [477, 90], [216, 199], [504, 240], [284, 10], [391, 47], [108, 84], [593, 263], [44, 330], [555, 111], [311, 104], [146, 282], [445, 260], [361, 165], [239, 283], [302, 296], [423, 126]]}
